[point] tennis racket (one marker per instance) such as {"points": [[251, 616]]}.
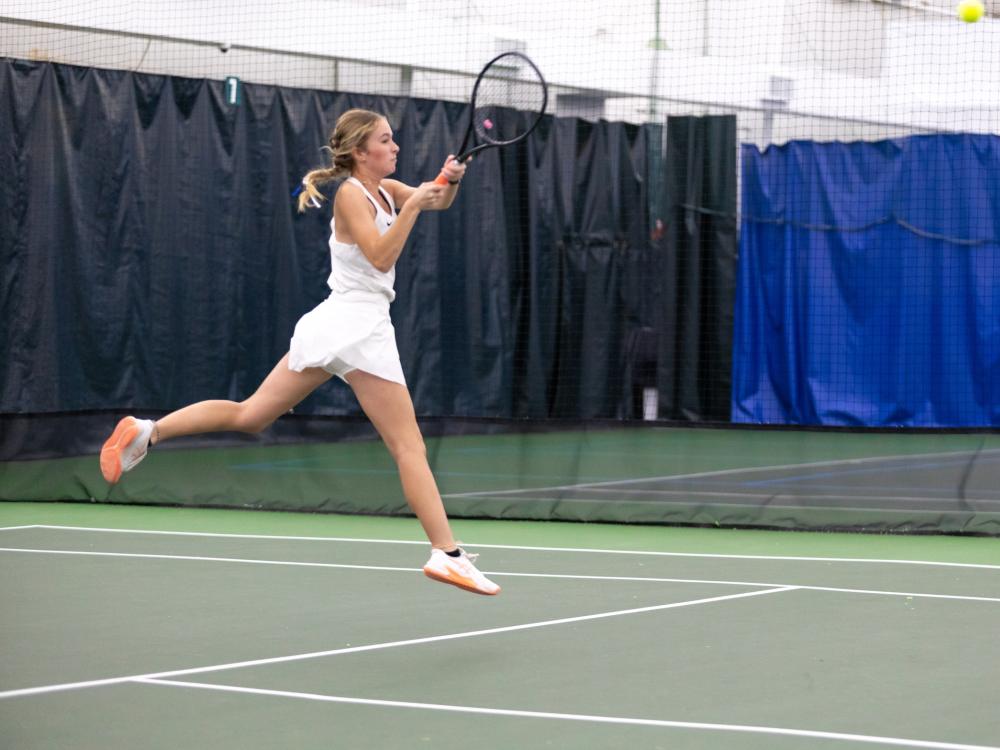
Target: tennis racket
{"points": [[508, 100]]}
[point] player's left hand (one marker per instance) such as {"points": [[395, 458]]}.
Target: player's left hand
{"points": [[453, 170]]}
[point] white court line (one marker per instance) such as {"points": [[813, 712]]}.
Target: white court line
{"points": [[588, 550], [725, 472], [218, 535], [763, 493], [742, 728], [14, 528], [390, 644], [500, 573], [665, 499], [203, 558], [802, 587]]}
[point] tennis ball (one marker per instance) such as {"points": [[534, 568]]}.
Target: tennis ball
{"points": [[971, 11]]}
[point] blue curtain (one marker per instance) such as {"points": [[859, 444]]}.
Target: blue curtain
{"points": [[869, 284]]}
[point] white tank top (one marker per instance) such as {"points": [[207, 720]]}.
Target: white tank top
{"points": [[350, 270]]}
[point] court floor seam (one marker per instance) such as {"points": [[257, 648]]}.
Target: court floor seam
{"points": [[663, 723]]}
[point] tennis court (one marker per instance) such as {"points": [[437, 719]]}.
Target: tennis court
{"points": [[701, 350], [155, 627]]}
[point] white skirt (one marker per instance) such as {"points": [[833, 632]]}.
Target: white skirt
{"points": [[345, 333]]}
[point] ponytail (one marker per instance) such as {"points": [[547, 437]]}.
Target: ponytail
{"points": [[351, 132], [310, 194]]}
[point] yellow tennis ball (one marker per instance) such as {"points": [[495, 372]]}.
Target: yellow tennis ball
{"points": [[971, 11]]}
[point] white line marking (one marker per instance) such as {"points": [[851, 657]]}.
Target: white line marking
{"points": [[390, 644], [237, 536], [780, 558], [588, 550], [863, 738], [15, 528], [725, 472], [908, 594], [640, 579], [807, 493], [201, 558], [950, 507]]}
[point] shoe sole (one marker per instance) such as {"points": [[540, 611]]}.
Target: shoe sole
{"points": [[111, 453], [462, 583]]}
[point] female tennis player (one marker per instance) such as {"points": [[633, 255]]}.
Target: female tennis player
{"points": [[348, 335]]}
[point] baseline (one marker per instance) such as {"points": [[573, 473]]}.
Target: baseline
{"points": [[743, 728], [500, 573], [588, 550]]}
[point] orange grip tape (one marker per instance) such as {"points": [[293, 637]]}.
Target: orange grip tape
{"points": [[441, 179]]}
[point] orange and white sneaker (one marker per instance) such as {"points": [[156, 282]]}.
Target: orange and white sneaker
{"points": [[125, 448], [459, 571]]}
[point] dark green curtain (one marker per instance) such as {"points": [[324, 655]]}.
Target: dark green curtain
{"points": [[151, 254]]}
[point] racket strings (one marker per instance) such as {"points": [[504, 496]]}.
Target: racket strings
{"points": [[509, 99], [506, 107]]}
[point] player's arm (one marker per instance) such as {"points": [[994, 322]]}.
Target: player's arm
{"points": [[399, 191], [355, 214], [454, 171]]}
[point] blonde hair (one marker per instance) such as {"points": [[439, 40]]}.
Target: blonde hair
{"points": [[351, 132]]}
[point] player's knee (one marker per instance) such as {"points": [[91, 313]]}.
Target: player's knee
{"points": [[408, 449], [252, 420]]}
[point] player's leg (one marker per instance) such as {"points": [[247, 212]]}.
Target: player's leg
{"points": [[281, 390], [389, 407]]}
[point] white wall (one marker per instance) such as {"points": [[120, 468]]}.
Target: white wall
{"points": [[850, 60]]}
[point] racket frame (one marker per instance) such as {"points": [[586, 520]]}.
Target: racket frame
{"points": [[463, 152]]}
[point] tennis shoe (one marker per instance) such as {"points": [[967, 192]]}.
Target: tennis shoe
{"points": [[459, 571], [125, 448]]}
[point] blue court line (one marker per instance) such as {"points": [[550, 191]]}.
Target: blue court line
{"points": [[553, 451], [302, 464]]}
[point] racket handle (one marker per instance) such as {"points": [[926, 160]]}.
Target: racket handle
{"points": [[441, 179]]}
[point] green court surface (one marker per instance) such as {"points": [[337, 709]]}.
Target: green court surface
{"points": [[941, 482], [128, 627]]}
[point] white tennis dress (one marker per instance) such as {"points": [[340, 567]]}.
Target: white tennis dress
{"points": [[351, 329]]}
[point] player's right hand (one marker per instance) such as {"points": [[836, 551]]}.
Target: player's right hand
{"points": [[427, 195]]}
